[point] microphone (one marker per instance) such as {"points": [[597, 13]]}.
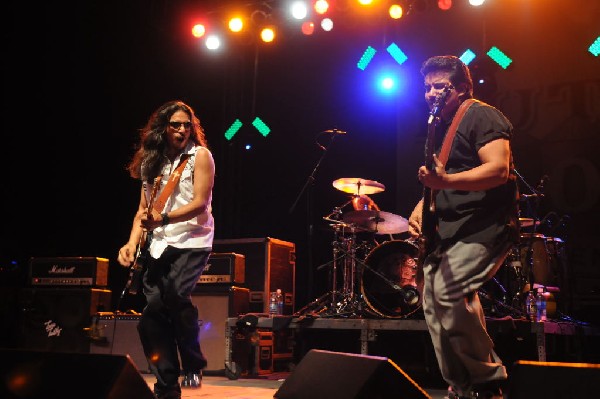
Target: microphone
{"points": [[334, 131], [439, 103], [409, 293]]}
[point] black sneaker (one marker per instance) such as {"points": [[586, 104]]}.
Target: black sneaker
{"points": [[453, 395], [167, 393], [192, 380]]}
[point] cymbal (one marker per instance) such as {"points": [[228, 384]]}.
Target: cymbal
{"points": [[356, 185], [377, 221], [528, 222]]}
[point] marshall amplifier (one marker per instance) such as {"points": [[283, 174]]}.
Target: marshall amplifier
{"points": [[224, 268], [69, 271]]}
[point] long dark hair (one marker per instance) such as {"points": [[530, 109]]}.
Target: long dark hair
{"points": [[149, 156]]}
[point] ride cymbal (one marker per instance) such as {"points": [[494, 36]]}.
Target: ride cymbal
{"points": [[377, 221], [356, 185]]}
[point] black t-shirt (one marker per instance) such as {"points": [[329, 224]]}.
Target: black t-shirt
{"points": [[477, 216]]}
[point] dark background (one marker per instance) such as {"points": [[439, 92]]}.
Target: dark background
{"points": [[80, 78]]}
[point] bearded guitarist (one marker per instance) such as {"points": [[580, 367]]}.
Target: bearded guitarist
{"points": [[467, 221]]}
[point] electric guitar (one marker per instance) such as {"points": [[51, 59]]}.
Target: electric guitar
{"points": [[136, 271], [428, 219]]}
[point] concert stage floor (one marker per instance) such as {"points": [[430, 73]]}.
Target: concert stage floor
{"points": [[248, 388]]}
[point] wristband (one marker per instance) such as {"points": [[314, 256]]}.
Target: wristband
{"points": [[165, 219]]}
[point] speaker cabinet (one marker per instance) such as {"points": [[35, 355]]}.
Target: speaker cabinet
{"points": [[554, 380], [58, 319], [324, 375], [270, 264], [118, 335], [32, 375], [215, 304]]}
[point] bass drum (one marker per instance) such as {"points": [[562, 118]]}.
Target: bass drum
{"points": [[390, 265]]}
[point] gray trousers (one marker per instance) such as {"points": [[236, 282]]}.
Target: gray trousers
{"points": [[454, 314]]}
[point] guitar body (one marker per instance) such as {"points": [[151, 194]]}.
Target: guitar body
{"points": [[138, 267]]}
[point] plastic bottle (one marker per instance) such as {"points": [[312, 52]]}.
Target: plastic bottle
{"points": [[273, 308], [531, 306], [541, 305], [279, 297]]}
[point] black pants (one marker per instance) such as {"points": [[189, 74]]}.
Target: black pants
{"points": [[169, 323]]}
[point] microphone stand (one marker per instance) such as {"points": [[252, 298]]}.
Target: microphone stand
{"points": [[308, 187]]}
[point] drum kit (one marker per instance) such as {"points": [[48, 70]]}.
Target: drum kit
{"points": [[370, 277], [536, 259], [367, 278]]}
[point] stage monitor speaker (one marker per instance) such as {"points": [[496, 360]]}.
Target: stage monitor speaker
{"points": [[35, 374], [554, 380], [118, 335], [324, 375], [215, 304]]}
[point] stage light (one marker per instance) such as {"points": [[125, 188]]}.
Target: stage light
{"points": [[233, 129], [497, 55], [213, 42], [444, 4], [467, 56], [396, 53], [476, 2], [366, 58], [395, 11], [299, 10], [236, 24], [308, 28], [595, 47], [198, 30], [267, 34], [327, 24], [365, 2], [261, 126], [321, 6]]}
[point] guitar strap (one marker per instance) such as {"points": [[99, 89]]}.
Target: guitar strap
{"points": [[447, 144], [160, 202], [449, 138]]}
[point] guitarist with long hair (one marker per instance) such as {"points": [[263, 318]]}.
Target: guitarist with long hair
{"points": [[173, 152], [466, 223]]}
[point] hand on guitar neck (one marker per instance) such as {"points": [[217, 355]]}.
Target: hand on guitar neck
{"points": [[137, 268]]}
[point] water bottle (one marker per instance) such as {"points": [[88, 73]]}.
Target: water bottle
{"points": [[541, 305], [531, 306], [273, 306], [279, 301]]}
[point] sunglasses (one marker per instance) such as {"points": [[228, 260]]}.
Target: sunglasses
{"points": [[177, 125]]}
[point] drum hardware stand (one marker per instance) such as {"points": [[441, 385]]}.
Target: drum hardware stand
{"points": [[536, 194], [512, 311]]}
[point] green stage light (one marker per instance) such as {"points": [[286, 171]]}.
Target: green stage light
{"points": [[233, 129], [366, 58], [396, 53], [261, 127], [467, 56], [497, 55], [595, 47]]}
